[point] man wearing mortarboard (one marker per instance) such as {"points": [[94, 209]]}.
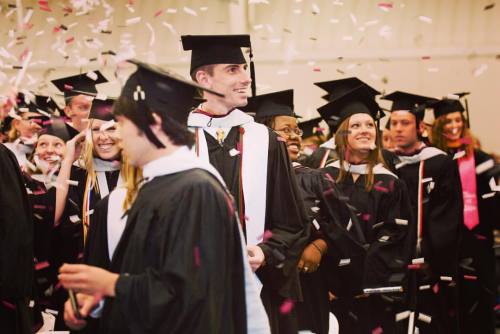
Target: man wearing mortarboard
{"points": [[255, 166], [79, 91], [435, 196], [179, 265]]}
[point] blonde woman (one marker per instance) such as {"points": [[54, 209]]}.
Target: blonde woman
{"points": [[80, 187], [477, 289], [368, 251]]}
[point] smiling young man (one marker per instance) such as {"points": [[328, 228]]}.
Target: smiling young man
{"points": [[255, 166], [435, 194], [179, 266], [79, 91]]}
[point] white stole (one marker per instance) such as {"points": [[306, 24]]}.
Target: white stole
{"points": [[254, 165]]}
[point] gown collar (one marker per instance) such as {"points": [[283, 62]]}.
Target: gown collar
{"points": [[362, 168], [234, 118]]}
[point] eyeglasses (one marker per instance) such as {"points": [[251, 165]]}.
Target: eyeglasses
{"points": [[289, 131]]}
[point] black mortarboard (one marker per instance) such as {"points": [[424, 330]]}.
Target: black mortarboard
{"points": [[357, 101], [156, 90], [340, 87], [407, 101], [272, 104], [46, 104], [25, 102], [102, 109], [448, 105], [218, 49], [311, 127], [56, 126], [80, 84]]}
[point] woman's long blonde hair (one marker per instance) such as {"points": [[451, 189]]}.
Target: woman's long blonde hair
{"points": [[132, 176], [439, 140], [342, 147]]}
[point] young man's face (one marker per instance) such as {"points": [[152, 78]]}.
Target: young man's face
{"points": [[404, 132], [79, 108], [232, 80], [135, 144]]}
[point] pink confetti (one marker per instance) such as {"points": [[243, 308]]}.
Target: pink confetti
{"points": [[380, 188], [287, 306], [281, 139], [470, 277], [9, 305], [68, 87], [316, 69], [39, 206], [497, 307], [426, 57], [435, 288], [197, 258], [158, 13], [386, 5], [70, 39], [414, 266], [378, 330], [267, 235], [42, 265], [365, 217], [480, 237]]}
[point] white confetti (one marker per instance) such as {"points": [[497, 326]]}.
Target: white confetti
{"points": [[315, 8], [425, 19], [424, 287], [92, 75], [203, 9], [133, 21], [488, 195], [72, 182], [344, 262], [151, 30], [446, 278], [403, 222], [424, 318], [234, 152], [493, 185], [74, 219], [458, 155], [418, 260], [171, 10], [39, 33], [353, 19], [333, 20], [190, 11], [297, 11], [28, 16], [433, 69], [402, 315], [107, 125], [169, 27], [316, 224], [480, 70]]}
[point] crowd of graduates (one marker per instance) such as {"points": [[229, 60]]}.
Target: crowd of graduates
{"points": [[188, 207]]}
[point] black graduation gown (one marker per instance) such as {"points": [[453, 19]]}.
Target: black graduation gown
{"points": [[313, 311], [16, 247], [370, 252], [69, 232], [42, 201], [180, 261], [285, 218], [442, 215], [478, 296]]}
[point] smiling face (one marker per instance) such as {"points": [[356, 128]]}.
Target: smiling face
{"points": [[454, 125], [105, 139], [232, 80], [361, 133], [50, 151], [287, 127]]}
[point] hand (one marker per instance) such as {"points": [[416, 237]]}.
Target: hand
{"points": [[73, 146], [88, 279], [256, 257], [85, 304], [311, 256]]}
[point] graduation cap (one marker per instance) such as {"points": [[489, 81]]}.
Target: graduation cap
{"points": [[272, 104], [153, 89], [449, 104], [84, 83], [56, 126], [25, 102], [357, 101], [45, 104], [102, 109], [311, 127], [340, 87], [218, 49], [407, 101]]}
